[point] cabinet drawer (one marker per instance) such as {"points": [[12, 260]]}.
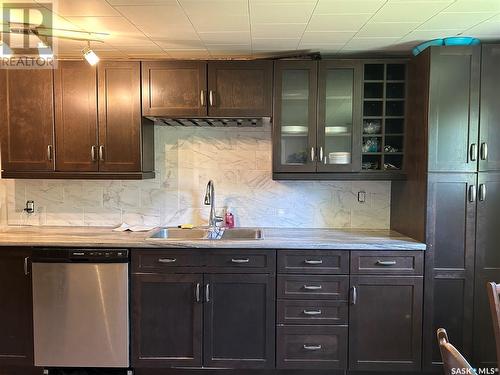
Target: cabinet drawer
{"points": [[387, 262], [312, 347], [314, 261], [313, 287], [312, 312], [156, 261], [242, 259]]}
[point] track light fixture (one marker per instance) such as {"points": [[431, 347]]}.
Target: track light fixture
{"points": [[90, 55]]}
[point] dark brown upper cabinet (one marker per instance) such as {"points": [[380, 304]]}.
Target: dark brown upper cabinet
{"points": [[16, 314], [453, 107], [241, 88], [489, 132], [27, 120], [177, 88], [124, 145], [75, 92], [198, 88]]}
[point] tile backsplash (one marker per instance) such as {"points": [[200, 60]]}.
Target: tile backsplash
{"points": [[239, 162]]}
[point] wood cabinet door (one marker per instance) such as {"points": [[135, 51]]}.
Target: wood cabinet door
{"points": [[239, 321], [449, 262], [27, 120], [16, 313], [381, 305], [295, 113], [119, 116], [166, 320], [240, 88], [454, 109], [75, 91], [177, 88], [487, 266], [489, 129]]}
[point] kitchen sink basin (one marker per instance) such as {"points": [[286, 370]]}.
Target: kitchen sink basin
{"points": [[208, 234]]}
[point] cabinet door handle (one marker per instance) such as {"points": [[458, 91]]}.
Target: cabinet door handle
{"points": [[202, 98], [49, 152], [484, 151], [482, 192], [240, 260], [26, 270], [211, 98], [473, 152], [385, 262], [321, 154], [313, 154], [93, 154], [354, 295], [207, 293], [311, 261], [313, 287], [197, 292], [312, 347], [472, 193], [101, 152], [167, 260], [312, 312]]}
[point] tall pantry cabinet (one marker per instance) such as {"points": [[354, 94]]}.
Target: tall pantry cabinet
{"points": [[452, 193]]}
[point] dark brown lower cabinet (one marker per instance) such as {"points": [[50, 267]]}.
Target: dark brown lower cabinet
{"points": [[167, 320], [239, 321], [16, 313], [385, 323], [312, 347]]}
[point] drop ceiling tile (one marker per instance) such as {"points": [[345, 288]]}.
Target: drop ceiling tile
{"points": [[234, 37], [387, 29], [422, 35], [272, 12], [221, 23], [348, 6], [180, 44], [327, 37], [153, 14], [274, 44], [188, 54], [489, 28], [410, 11], [93, 8], [279, 30], [139, 2], [369, 44], [322, 47], [343, 22], [446, 21], [169, 31], [217, 15], [136, 49], [220, 48], [474, 6]]}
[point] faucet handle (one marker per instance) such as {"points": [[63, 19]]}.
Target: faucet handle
{"points": [[218, 219]]}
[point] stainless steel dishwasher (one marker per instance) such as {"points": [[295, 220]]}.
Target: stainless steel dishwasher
{"points": [[80, 308]]}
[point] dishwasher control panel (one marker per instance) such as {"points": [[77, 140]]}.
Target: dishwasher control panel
{"points": [[81, 255]]}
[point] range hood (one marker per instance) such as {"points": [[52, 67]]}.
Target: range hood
{"points": [[210, 122]]}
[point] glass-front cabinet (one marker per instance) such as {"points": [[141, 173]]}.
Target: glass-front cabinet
{"points": [[295, 116], [338, 129]]}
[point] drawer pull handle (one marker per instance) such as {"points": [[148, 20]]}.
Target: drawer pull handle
{"points": [[313, 287], [312, 312], [312, 347], [310, 261], [167, 260], [239, 261], [386, 262], [197, 292]]}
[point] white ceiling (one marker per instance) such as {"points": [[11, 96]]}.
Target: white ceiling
{"points": [[203, 29]]}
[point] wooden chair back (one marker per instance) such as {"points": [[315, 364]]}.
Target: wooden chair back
{"points": [[452, 359], [493, 296]]}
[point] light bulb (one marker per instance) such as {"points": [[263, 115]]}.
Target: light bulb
{"points": [[90, 56]]}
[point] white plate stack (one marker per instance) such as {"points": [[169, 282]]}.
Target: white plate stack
{"points": [[339, 157]]}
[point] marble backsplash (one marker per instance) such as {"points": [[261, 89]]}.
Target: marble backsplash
{"points": [[239, 162]]}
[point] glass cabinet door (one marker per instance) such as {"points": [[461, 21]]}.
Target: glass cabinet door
{"points": [[339, 117], [294, 130]]}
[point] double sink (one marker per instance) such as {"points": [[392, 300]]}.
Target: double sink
{"points": [[234, 234]]}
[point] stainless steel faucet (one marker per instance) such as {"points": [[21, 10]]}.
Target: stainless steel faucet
{"points": [[210, 201]]}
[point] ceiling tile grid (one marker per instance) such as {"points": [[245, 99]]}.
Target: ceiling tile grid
{"points": [[201, 29]]}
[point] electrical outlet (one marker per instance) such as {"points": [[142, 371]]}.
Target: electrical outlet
{"points": [[30, 207], [361, 196]]}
